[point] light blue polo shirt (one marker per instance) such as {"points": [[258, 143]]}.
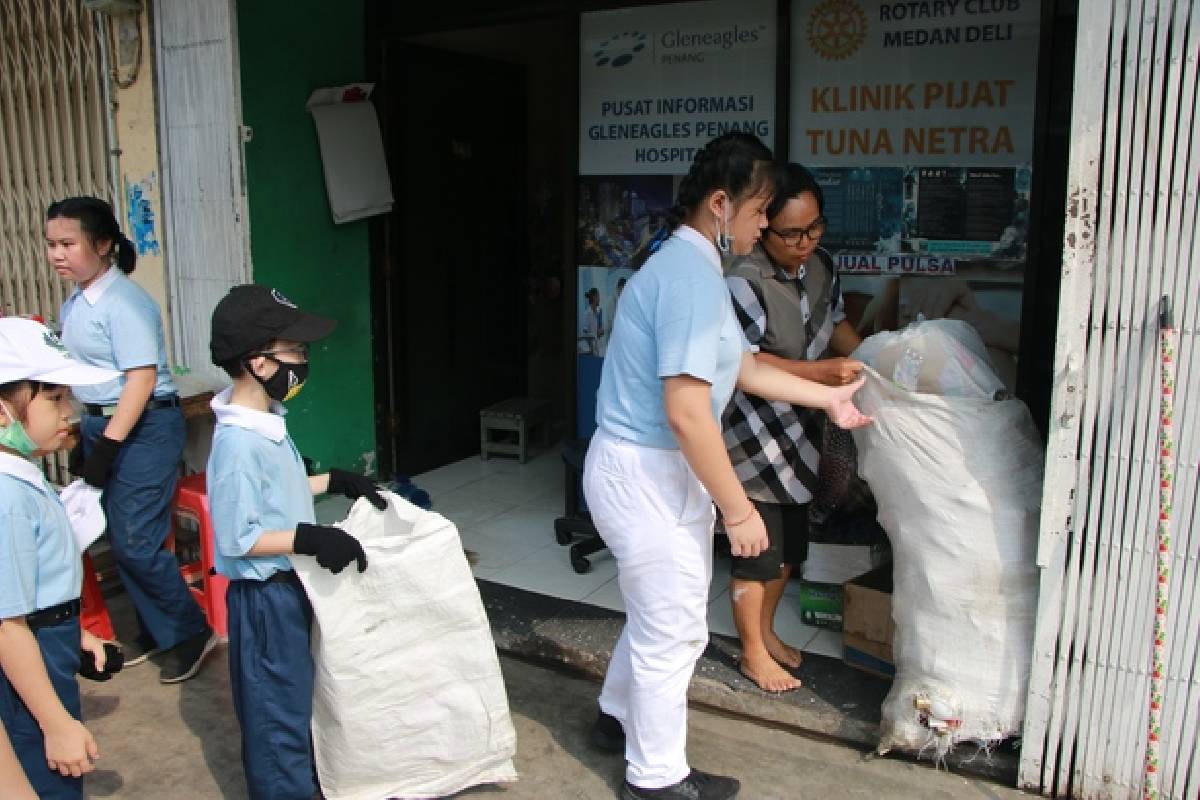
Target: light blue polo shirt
{"points": [[114, 323], [256, 483], [40, 564], [676, 319]]}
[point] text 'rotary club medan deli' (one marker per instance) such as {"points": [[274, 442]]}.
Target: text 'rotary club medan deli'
{"points": [[933, 96]]}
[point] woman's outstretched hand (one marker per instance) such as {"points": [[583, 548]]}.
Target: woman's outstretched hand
{"points": [[841, 409]]}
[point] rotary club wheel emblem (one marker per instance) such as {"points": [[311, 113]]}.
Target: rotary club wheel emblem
{"points": [[836, 29]]}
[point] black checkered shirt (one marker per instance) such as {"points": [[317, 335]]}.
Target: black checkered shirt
{"points": [[774, 446]]}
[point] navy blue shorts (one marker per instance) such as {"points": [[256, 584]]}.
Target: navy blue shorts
{"points": [[787, 530]]}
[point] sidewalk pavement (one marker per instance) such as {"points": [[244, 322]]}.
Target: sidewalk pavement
{"points": [[169, 741], [160, 741]]}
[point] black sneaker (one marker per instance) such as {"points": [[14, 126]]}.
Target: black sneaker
{"points": [[696, 786], [185, 658], [607, 734], [140, 649]]}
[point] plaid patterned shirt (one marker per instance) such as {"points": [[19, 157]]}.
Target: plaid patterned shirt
{"points": [[775, 447]]}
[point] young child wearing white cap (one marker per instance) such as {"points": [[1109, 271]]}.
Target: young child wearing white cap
{"points": [[40, 567]]}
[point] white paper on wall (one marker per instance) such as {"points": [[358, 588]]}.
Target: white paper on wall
{"points": [[356, 173]]}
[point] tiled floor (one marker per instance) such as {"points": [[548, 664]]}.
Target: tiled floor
{"points": [[505, 514]]}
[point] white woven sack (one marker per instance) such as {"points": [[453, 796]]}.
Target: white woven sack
{"points": [[958, 482], [952, 360], [408, 700]]}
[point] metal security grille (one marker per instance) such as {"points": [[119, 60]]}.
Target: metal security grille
{"points": [[53, 138], [1131, 238]]}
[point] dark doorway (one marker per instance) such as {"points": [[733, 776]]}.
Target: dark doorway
{"points": [[456, 247]]}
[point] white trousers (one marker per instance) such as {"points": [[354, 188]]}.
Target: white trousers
{"points": [[657, 520]]}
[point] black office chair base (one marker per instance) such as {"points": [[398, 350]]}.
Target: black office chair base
{"points": [[566, 529], [576, 528], [581, 550]]}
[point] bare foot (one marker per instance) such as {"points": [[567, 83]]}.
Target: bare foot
{"points": [[768, 675], [785, 654]]}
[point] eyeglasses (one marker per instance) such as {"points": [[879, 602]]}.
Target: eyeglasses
{"points": [[301, 351], [794, 236]]}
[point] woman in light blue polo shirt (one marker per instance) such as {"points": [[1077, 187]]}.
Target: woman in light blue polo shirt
{"points": [[657, 462], [132, 427]]}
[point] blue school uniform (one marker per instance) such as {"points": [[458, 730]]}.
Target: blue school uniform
{"points": [[115, 324], [40, 569], [676, 319], [257, 483]]}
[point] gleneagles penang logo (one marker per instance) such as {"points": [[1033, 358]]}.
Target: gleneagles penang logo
{"points": [[619, 49], [676, 45]]}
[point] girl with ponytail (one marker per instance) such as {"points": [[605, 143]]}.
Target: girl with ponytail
{"points": [[131, 428], [657, 462]]}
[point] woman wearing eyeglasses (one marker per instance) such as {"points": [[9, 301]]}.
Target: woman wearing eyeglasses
{"points": [[787, 296], [132, 427]]}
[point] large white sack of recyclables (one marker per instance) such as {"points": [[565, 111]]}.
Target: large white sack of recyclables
{"points": [[958, 482], [408, 699], [939, 356]]}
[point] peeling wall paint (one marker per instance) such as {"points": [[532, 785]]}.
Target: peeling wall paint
{"points": [[139, 206], [137, 144]]}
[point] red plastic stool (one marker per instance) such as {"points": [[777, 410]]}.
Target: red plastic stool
{"points": [[93, 611], [191, 500]]}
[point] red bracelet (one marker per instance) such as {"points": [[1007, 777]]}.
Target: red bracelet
{"points": [[743, 520]]}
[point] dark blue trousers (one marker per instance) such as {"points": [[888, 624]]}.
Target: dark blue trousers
{"points": [[60, 651], [271, 675], [137, 502]]}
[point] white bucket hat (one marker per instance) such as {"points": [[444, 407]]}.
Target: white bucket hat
{"points": [[30, 351]]}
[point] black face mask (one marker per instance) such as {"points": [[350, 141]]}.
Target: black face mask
{"points": [[287, 381]]}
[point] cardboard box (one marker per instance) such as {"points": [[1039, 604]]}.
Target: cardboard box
{"points": [[821, 605], [867, 622]]}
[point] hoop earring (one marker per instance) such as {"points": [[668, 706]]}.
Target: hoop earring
{"points": [[724, 240]]}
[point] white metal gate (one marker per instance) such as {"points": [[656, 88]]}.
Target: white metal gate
{"points": [[1131, 238], [204, 194], [53, 138]]}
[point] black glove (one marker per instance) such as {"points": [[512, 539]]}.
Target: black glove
{"points": [[114, 659], [354, 486], [98, 467], [333, 547], [75, 459]]}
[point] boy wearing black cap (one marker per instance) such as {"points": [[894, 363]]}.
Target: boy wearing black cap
{"points": [[261, 501]]}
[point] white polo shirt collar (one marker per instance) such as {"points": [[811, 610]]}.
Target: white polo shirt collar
{"points": [[99, 286], [699, 240], [269, 424], [22, 469]]}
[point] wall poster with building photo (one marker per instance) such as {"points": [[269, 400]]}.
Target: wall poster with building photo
{"points": [[926, 170], [656, 83]]}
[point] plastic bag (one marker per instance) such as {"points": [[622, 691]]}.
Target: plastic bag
{"points": [[408, 699], [958, 482], [941, 356]]}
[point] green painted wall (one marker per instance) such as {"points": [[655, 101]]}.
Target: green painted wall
{"points": [[288, 48]]}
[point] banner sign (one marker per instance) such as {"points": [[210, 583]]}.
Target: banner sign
{"points": [[924, 83], [917, 120], [658, 82]]}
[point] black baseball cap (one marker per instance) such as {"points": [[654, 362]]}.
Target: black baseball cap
{"points": [[251, 316]]}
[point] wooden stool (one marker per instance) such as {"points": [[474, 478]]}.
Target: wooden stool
{"points": [[518, 415]]}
